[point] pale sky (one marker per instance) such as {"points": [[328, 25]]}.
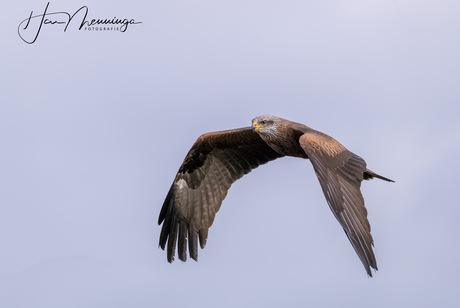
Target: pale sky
{"points": [[95, 124]]}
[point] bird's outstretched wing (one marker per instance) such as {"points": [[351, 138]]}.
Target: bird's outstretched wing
{"points": [[214, 162], [340, 173]]}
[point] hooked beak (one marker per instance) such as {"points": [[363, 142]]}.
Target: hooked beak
{"points": [[255, 126]]}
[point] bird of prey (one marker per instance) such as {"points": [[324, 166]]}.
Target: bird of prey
{"points": [[218, 159]]}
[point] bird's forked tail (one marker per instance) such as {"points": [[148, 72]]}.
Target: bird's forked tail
{"points": [[368, 174]]}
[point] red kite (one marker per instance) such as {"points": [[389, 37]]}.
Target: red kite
{"points": [[218, 159]]}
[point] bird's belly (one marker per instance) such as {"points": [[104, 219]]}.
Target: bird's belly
{"points": [[289, 149]]}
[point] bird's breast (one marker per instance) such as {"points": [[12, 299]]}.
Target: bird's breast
{"points": [[286, 145]]}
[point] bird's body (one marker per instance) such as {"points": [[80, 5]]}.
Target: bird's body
{"points": [[218, 159]]}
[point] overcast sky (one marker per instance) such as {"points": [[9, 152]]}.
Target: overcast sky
{"points": [[95, 124]]}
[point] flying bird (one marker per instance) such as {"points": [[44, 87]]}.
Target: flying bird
{"points": [[218, 159]]}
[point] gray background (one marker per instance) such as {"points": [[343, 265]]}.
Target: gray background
{"points": [[94, 125]]}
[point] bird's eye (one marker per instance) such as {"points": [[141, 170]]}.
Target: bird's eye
{"points": [[262, 122]]}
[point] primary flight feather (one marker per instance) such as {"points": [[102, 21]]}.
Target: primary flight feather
{"points": [[218, 159]]}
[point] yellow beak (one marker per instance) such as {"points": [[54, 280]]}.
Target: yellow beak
{"points": [[255, 126]]}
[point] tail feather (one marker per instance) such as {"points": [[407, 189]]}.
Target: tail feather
{"points": [[368, 174]]}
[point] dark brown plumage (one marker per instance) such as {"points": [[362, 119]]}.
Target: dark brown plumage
{"points": [[218, 159]]}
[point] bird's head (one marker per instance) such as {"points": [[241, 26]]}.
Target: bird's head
{"points": [[265, 124]]}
